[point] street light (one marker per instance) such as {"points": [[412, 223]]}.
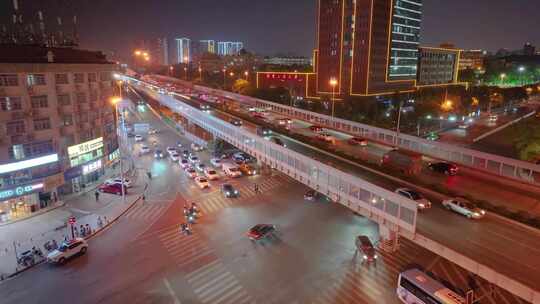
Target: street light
{"points": [[137, 53], [502, 76], [115, 101], [333, 83], [246, 73], [171, 69], [521, 69], [224, 77], [231, 74], [200, 73], [447, 105], [185, 73]]}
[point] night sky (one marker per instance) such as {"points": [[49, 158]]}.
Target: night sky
{"points": [[285, 26]]}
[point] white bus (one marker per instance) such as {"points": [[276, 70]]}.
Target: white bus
{"points": [[416, 287]]}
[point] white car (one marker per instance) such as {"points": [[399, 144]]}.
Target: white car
{"points": [[174, 156], [67, 250], [171, 150], [211, 174], [179, 144], [184, 163], [191, 172], [463, 207], [153, 131], [216, 162], [195, 147], [118, 180], [194, 159], [422, 202], [200, 167], [139, 138], [144, 150], [202, 182]]}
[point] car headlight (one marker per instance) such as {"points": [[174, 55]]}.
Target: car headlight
{"points": [[483, 212], [227, 193], [254, 172], [421, 205], [375, 256], [476, 214], [235, 191], [365, 257]]}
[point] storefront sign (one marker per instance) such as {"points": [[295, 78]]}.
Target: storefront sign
{"points": [[85, 147], [29, 163], [19, 191], [91, 167]]}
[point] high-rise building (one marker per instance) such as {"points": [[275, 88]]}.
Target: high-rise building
{"points": [[472, 59], [207, 46], [529, 49], [369, 47], [57, 125], [227, 48], [161, 51], [183, 50], [437, 66]]}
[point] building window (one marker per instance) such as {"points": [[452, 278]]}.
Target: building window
{"points": [[39, 148], [93, 95], [42, 124], [61, 78], [64, 99], [39, 101], [15, 127], [105, 76], [10, 103], [84, 117], [17, 152], [81, 97], [67, 120], [36, 79], [9, 80], [92, 77], [78, 77]]}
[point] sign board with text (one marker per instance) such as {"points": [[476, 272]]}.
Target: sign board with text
{"points": [[19, 191], [85, 147]]}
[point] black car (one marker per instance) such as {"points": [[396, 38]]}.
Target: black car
{"points": [[229, 191], [130, 134], [277, 140], [236, 122], [185, 154], [444, 167], [260, 231], [264, 132]]}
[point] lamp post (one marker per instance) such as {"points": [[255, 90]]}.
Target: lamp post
{"points": [[521, 69], [224, 77], [115, 101], [185, 73], [502, 76], [200, 74], [246, 73], [333, 83], [171, 71]]}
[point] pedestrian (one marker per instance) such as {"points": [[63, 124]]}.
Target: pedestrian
{"points": [[55, 245], [88, 229], [149, 174], [97, 195], [82, 232], [256, 188], [76, 232], [99, 222], [105, 219]]}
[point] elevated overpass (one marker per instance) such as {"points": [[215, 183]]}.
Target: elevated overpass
{"points": [[395, 214]]}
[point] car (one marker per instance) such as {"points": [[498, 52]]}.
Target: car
{"points": [[118, 180], [216, 162], [251, 109], [194, 159], [171, 150], [211, 174], [158, 154], [67, 250], [202, 182], [464, 207], [153, 131], [112, 189], [179, 144], [241, 157], [422, 202], [277, 141], [236, 122], [316, 128], [365, 246], [264, 132], [258, 115], [354, 141], [493, 118], [200, 167], [184, 163], [174, 156], [283, 121], [144, 150], [229, 191], [464, 126], [432, 136], [247, 169], [261, 231], [444, 167], [195, 147], [204, 107], [310, 195], [139, 138], [130, 134], [191, 172], [325, 137], [185, 153]]}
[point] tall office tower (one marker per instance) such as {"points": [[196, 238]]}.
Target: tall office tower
{"points": [[226, 48], [183, 50], [236, 47], [161, 51], [370, 47], [207, 46]]}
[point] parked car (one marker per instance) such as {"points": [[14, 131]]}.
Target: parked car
{"points": [[365, 246], [196, 147], [138, 138], [229, 191], [202, 182], [355, 141], [216, 162], [444, 167], [211, 174], [261, 231], [422, 202], [464, 207], [112, 189], [118, 180], [67, 250]]}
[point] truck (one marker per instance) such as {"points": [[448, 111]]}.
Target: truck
{"points": [[406, 162]]}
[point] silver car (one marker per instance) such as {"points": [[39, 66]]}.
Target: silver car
{"points": [[464, 207]]}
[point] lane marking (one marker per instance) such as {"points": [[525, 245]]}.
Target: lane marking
{"points": [[171, 291]]}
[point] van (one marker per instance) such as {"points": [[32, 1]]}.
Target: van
{"points": [[231, 170], [405, 161]]}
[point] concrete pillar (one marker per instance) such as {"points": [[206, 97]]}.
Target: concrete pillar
{"points": [[389, 241]]}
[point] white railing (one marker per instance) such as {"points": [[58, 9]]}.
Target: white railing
{"points": [[503, 166]]}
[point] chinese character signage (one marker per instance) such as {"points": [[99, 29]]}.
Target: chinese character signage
{"points": [[85, 147]]}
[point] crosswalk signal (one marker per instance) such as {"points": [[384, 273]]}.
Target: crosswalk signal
{"points": [[469, 297]]}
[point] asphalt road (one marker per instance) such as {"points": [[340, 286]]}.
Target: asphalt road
{"points": [[479, 240]]}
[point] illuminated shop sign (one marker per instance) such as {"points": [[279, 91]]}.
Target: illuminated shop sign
{"points": [[22, 190], [91, 167], [29, 163], [85, 147]]}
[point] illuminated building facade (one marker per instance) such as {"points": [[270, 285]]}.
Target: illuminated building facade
{"points": [[437, 66], [183, 50], [298, 84]]}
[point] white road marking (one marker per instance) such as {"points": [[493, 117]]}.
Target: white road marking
{"points": [[171, 291]]}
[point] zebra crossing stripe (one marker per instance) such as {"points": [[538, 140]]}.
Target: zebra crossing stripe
{"points": [[237, 289], [192, 276], [222, 285], [217, 276], [237, 299], [194, 257]]}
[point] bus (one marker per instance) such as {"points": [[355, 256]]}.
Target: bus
{"points": [[416, 287]]}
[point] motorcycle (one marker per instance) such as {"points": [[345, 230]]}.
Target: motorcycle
{"points": [[26, 258], [185, 229]]}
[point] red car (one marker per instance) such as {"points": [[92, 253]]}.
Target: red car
{"points": [[112, 188], [260, 231], [258, 115], [316, 128], [358, 141]]}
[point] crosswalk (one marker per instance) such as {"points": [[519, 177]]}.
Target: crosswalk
{"points": [[146, 211], [213, 283], [186, 250]]}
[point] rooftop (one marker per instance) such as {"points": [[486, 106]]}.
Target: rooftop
{"points": [[42, 54]]}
